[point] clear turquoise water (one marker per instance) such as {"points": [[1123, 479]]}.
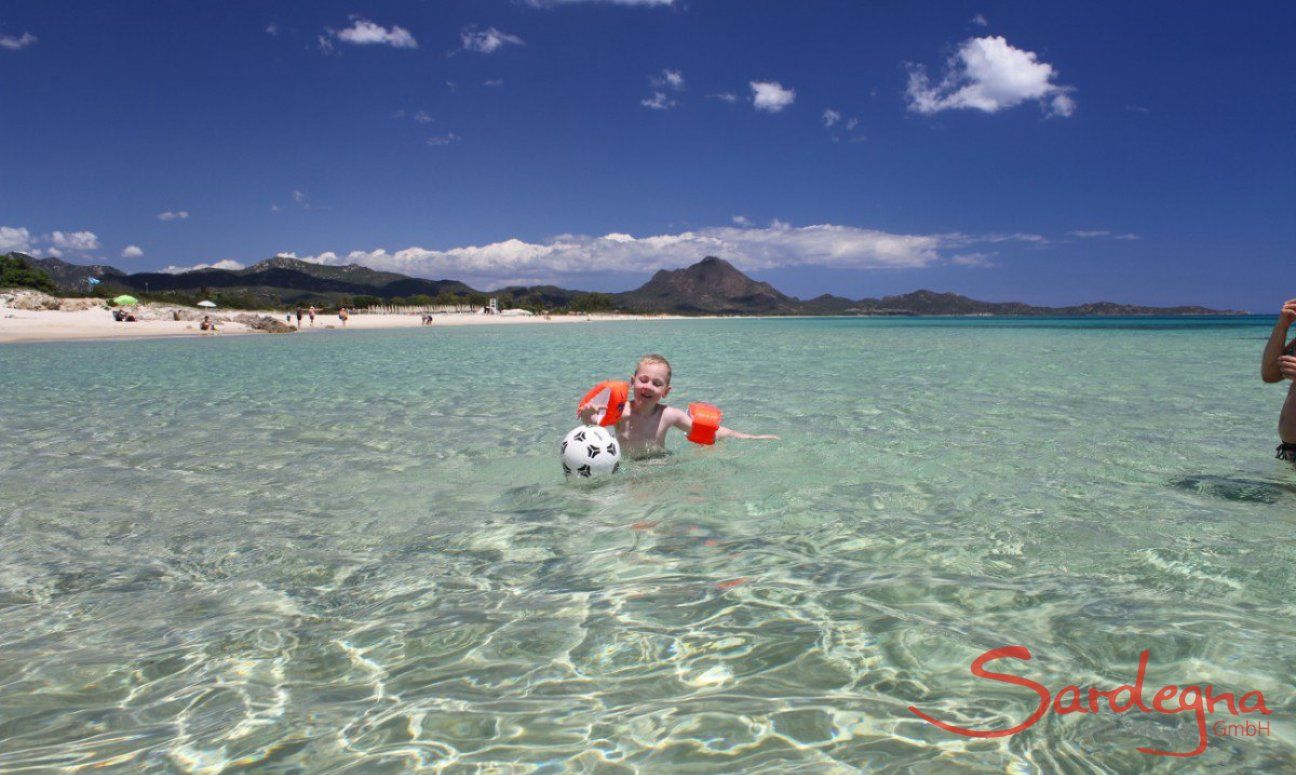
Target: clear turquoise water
{"points": [[356, 552]]}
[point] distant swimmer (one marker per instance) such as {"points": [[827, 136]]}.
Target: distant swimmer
{"points": [[642, 430], [1277, 364]]}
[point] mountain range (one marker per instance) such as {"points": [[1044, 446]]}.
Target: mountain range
{"points": [[712, 286]]}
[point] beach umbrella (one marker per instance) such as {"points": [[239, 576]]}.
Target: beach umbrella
{"points": [[124, 300], [206, 303]]}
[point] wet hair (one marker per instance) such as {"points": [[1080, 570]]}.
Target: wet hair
{"points": [[655, 358]]}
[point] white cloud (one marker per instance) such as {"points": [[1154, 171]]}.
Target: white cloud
{"points": [[672, 79], [445, 139], [15, 239], [778, 245], [55, 252], [552, 3], [178, 215], [727, 96], [75, 240], [227, 263], [1095, 233], [423, 118], [325, 43], [979, 260], [989, 75], [14, 44], [831, 117], [132, 251], [365, 33], [487, 41], [659, 101], [770, 96], [493, 82], [741, 220], [298, 196], [272, 29], [980, 21]]}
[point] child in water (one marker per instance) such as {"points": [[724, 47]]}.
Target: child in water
{"points": [[1279, 363], [642, 430]]}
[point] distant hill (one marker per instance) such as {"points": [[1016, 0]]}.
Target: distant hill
{"points": [[711, 286], [73, 277]]}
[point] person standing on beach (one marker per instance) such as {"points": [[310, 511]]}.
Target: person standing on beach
{"points": [[1279, 363], [300, 312], [342, 315], [311, 312]]}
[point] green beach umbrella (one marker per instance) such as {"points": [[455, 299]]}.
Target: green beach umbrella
{"points": [[124, 299]]}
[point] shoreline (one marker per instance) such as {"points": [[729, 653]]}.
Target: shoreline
{"points": [[86, 321], [26, 326]]}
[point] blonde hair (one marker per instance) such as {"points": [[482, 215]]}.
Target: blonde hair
{"points": [[655, 358]]}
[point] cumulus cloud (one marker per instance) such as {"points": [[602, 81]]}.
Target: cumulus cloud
{"points": [[132, 251], [990, 75], [15, 43], [741, 220], [669, 79], [1096, 233], [227, 263], [15, 239], [363, 32], [658, 101], [553, 3], [831, 117], [75, 240], [750, 249], [770, 96], [978, 260], [178, 215], [487, 41]]}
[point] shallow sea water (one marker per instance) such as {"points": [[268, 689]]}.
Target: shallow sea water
{"points": [[356, 552]]}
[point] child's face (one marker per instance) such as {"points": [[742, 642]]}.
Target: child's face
{"points": [[651, 382]]}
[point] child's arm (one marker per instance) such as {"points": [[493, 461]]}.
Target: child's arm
{"points": [[1274, 365], [682, 421]]}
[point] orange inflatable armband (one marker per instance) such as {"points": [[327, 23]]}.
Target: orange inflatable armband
{"points": [[610, 394], [706, 421]]}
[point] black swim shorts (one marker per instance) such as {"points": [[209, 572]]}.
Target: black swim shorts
{"points": [[1287, 451]]}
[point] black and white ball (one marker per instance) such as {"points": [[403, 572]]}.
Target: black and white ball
{"points": [[590, 450]]}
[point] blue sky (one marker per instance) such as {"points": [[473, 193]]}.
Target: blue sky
{"points": [[1047, 152]]}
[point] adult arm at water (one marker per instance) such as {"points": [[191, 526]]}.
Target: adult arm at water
{"points": [[1274, 365]]}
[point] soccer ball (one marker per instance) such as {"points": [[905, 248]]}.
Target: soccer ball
{"points": [[590, 451]]}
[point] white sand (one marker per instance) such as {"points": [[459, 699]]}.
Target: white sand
{"points": [[23, 325]]}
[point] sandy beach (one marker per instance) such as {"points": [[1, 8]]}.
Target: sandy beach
{"points": [[96, 322]]}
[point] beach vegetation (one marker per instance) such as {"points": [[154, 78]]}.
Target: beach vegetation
{"points": [[15, 272]]}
